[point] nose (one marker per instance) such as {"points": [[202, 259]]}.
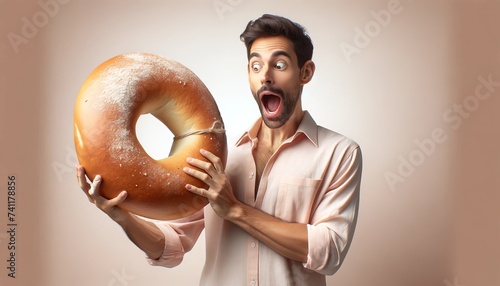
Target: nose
{"points": [[266, 75]]}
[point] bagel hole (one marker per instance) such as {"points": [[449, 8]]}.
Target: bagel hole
{"points": [[154, 136]]}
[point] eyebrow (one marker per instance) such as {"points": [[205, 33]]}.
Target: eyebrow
{"points": [[274, 54]]}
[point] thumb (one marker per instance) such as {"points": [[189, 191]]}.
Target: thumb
{"points": [[118, 199]]}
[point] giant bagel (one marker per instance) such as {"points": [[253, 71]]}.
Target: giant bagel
{"points": [[107, 108]]}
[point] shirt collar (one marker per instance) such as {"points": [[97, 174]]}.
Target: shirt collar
{"points": [[307, 127]]}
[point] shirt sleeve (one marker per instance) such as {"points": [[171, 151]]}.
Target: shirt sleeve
{"points": [[180, 237], [334, 220]]}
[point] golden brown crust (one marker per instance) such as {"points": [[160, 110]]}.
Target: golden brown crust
{"points": [[107, 108]]}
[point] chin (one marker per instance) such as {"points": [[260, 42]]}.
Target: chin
{"points": [[275, 122]]}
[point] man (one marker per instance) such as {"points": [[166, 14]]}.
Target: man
{"points": [[283, 212]]}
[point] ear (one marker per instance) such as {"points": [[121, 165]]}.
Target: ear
{"points": [[307, 72]]}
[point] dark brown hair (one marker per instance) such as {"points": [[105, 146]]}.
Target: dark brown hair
{"points": [[272, 25]]}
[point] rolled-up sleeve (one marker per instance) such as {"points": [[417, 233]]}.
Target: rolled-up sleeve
{"points": [[180, 237], [332, 228]]}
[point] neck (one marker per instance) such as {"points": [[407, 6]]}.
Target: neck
{"points": [[274, 137]]}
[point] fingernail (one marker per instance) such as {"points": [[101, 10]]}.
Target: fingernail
{"points": [[97, 178], [189, 159], [189, 187]]}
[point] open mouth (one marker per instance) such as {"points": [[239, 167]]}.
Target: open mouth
{"points": [[271, 103]]}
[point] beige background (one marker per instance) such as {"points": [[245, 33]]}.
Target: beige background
{"points": [[438, 225]]}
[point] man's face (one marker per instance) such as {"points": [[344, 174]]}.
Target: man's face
{"points": [[274, 77]]}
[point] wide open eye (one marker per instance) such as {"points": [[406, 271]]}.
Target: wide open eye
{"points": [[280, 65], [256, 67]]}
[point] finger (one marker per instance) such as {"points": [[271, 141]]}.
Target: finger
{"points": [[118, 199], [82, 181], [94, 188], [206, 166], [216, 162], [204, 177], [197, 191]]}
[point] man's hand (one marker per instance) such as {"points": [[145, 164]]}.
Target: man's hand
{"points": [[288, 239], [145, 234], [110, 207], [219, 192]]}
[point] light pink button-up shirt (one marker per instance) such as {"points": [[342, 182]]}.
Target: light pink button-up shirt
{"points": [[313, 178]]}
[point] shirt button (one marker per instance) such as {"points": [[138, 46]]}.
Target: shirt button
{"points": [[250, 175], [252, 282], [253, 244]]}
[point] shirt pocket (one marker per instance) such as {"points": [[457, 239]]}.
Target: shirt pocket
{"points": [[295, 198]]}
